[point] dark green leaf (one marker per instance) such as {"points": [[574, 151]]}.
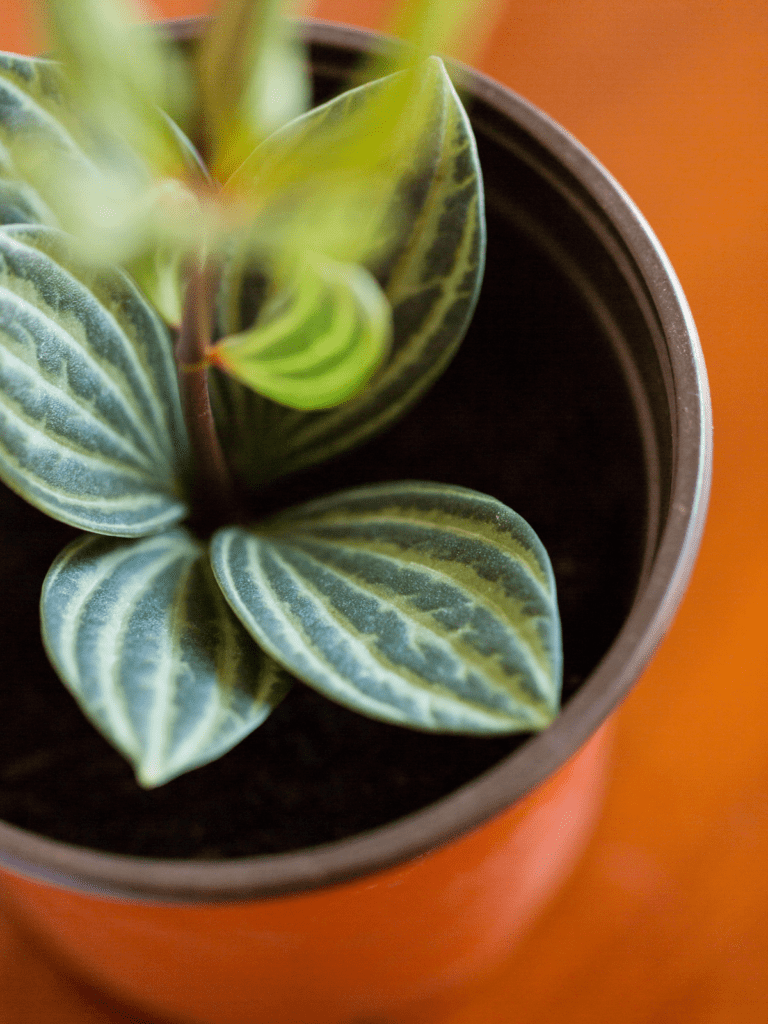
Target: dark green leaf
{"points": [[422, 604], [143, 638], [20, 204], [91, 429], [39, 128], [423, 238]]}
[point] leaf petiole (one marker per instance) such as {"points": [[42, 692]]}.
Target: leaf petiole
{"points": [[214, 496]]}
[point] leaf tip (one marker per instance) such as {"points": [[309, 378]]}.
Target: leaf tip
{"points": [[150, 776], [548, 714]]}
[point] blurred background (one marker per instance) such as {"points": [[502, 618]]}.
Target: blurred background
{"points": [[666, 917]]}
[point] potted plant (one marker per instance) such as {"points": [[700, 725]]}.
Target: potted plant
{"points": [[579, 395]]}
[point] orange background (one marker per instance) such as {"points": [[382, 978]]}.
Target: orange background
{"points": [[666, 918]]}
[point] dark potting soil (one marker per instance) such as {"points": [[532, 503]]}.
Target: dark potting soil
{"points": [[535, 411]]}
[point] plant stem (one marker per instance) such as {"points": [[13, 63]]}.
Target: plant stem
{"points": [[214, 497]]}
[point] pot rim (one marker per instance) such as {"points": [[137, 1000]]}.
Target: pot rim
{"points": [[654, 606]]}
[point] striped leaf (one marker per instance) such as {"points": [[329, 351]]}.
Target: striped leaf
{"points": [[421, 604], [37, 124], [20, 204], [33, 103], [141, 635], [319, 343], [429, 264], [56, 169], [91, 429]]}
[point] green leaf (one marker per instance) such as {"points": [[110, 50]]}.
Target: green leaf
{"points": [[160, 272], [253, 77], [426, 245], [141, 635], [33, 101], [160, 267], [422, 604], [122, 75], [91, 429], [57, 169], [455, 27], [20, 204], [317, 343], [39, 128]]}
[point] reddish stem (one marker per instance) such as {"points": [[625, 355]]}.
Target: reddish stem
{"points": [[215, 500]]}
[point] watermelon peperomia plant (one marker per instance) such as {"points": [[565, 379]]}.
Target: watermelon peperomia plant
{"points": [[204, 287]]}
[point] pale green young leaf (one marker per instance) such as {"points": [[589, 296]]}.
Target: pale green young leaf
{"points": [[55, 169], [122, 75], [318, 341], [160, 273], [455, 28], [173, 228], [160, 264], [141, 635], [339, 179], [253, 78], [91, 429], [421, 604], [424, 241]]}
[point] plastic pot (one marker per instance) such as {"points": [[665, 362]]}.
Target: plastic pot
{"points": [[579, 398]]}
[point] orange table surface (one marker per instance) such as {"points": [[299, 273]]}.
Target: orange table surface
{"points": [[666, 917]]}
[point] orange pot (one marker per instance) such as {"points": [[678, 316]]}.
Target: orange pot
{"points": [[390, 947], [389, 924]]}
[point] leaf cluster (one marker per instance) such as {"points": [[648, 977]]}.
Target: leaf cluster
{"points": [[183, 322]]}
